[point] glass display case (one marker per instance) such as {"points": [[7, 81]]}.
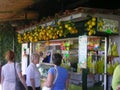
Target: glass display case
{"points": [[43, 69]]}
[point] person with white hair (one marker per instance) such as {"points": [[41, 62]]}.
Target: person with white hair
{"points": [[33, 74]]}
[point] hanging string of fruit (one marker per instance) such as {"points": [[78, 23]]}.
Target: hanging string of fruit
{"points": [[48, 32], [19, 38], [90, 26]]}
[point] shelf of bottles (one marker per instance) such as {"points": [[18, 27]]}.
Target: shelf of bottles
{"points": [[92, 56], [112, 53], [95, 55]]}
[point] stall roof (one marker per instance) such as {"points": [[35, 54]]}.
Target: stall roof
{"points": [[27, 10]]}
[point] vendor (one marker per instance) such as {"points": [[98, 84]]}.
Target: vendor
{"points": [[47, 58]]}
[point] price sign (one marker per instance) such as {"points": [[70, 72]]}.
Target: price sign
{"points": [[82, 54], [107, 25]]}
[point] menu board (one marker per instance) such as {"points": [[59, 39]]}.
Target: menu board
{"points": [[108, 25], [82, 54]]}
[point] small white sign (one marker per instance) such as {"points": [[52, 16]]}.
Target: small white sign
{"points": [[82, 53]]}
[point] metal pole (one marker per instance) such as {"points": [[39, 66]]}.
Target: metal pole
{"points": [[105, 65], [84, 79]]}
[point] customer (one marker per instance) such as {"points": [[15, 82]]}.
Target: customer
{"points": [[32, 73], [116, 78], [62, 80], [8, 76]]}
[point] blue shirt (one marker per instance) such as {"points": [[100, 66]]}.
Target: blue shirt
{"points": [[60, 83]]}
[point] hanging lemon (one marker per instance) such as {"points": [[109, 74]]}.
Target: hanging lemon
{"points": [[90, 26], [70, 28], [66, 25], [60, 27], [93, 23], [59, 22], [93, 19]]}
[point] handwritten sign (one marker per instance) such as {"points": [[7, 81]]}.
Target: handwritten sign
{"points": [[108, 25], [82, 54]]}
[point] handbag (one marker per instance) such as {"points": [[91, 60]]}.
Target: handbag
{"points": [[56, 75], [18, 84]]}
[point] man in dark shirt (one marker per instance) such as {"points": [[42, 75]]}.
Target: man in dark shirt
{"points": [[47, 58]]}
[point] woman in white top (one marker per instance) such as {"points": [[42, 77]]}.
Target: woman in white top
{"points": [[8, 76], [32, 74]]}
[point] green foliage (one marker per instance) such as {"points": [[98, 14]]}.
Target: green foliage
{"points": [[17, 49], [7, 37]]}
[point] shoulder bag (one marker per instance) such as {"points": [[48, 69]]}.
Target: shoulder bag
{"points": [[19, 85], [56, 75]]}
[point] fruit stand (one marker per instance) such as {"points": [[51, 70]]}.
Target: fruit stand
{"points": [[83, 44]]}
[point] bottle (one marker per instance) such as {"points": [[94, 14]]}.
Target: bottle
{"points": [[114, 50], [109, 48]]}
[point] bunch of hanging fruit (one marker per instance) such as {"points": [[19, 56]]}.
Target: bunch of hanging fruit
{"points": [[96, 66], [111, 67], [113, 49], [90, 26], [46, 33]]}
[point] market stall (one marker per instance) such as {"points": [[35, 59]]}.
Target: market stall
{"points": [[83, 44]]}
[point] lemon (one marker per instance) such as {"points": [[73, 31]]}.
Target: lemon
{"points": [[46, 38], [88, 29], [19, 35], [73, 32], [89, 33], [48, 27], [60, 27], [53, 37], [51, 28], [60, 35], [66, 25], [93, 19], [100, 24], [50, 36], [89, 22], [49, 31], [59, 22], [70, 28], [61, 31], [90, 26], [93, 23], [76, 31], [47, 34], [100, 28]]}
